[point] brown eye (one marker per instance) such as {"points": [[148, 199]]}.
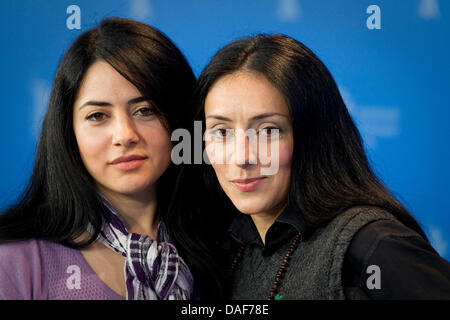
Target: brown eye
{"points": [[145, 112], [221, 132], [270, 131], [96, 116]]}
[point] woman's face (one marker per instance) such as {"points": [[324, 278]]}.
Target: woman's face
{"points": [[123, 144], [243, 111]]}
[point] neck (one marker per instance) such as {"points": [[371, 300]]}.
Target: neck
{"points": [[264, 220], [138, 211]]}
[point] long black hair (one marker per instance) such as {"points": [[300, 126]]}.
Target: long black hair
{"points": [[61, 199], [330, 170]]}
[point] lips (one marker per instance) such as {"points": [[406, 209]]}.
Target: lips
{"points": [[247, 185], [129, 162]]}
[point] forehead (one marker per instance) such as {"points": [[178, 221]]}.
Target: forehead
{"points": [[244, 95], [101, 81]]}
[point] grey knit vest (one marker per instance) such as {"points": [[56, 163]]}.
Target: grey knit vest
{"points": [[315, 268]]}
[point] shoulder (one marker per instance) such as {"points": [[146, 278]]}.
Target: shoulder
{"points": [[19, 253], [334, 237], [27, 251], [363, 215], [338, 233], [355, 218], [22, 266], [345, 227]]}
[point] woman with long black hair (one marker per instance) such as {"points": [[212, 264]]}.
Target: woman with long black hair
{"points": [[310, 219], [90, 224]]}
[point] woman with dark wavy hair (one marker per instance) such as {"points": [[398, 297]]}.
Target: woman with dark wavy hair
{"points": [[90, 224], [310, 219]]}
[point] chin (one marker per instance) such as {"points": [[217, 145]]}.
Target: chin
{"points": [[131, 189], [250, 206]]}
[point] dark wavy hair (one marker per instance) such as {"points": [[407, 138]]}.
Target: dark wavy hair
{"points": [[60, 199], [330, 170]]}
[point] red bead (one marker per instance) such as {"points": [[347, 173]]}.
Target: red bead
{"points": [[281, 271]]}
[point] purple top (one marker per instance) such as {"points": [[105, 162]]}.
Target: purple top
{"points": [[40, 269]]}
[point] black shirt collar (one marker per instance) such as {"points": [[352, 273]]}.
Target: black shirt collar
{"points": [[289, 223]]}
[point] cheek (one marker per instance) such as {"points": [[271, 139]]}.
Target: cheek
{"points": [[285, 155], [282, 179], [159, 145], [217, 152], [220, 170], [91, 145], [211, 152]]}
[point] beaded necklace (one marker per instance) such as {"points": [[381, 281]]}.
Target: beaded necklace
{"points": [[281, 271]]}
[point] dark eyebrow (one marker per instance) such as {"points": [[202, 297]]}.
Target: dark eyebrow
{"points": [[267, 115], [258, 117], [95, 103], [107, 104], [218, 117], [137, 100]]}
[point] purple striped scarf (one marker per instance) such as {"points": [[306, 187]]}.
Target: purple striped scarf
{"points": [[153, 268]]}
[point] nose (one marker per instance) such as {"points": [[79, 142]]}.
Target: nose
{"points": [[246, 148], [125, 133]]}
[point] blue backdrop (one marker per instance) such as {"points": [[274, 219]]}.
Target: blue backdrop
{"points": [[393, 77]]}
